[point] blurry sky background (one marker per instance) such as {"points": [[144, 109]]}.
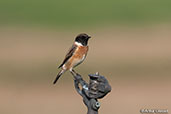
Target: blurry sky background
{"points": [[130, 45]]}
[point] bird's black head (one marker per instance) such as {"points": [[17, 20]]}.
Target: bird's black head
{"points": [[82, 38]]}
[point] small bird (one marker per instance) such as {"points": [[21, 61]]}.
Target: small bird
{"points": [[75, 56]]}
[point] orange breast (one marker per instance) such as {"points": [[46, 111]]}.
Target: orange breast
{"points": [[78, 57], [81, 51]]}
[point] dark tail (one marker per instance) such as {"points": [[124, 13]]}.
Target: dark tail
{"points": [[58, 76]]}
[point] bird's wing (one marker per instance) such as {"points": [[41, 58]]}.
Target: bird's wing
{"points": [[69, 54]]}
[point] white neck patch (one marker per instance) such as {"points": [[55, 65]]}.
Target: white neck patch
{"points": [[78, 44]]}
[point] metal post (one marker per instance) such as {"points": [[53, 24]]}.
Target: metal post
{"points": [[97, 88]]}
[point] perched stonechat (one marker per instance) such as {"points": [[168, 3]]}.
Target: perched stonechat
{"points": [[76, 55]]}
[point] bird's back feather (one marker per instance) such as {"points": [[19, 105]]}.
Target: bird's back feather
{"points": [[69, 54]]}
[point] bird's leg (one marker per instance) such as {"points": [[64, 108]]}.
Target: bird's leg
{"points": [[74, 73]]}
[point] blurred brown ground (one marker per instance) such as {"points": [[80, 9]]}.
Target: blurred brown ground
{"points": [[136, 61]]}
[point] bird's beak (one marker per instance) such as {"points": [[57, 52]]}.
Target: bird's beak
{"points": [[89, 37]]}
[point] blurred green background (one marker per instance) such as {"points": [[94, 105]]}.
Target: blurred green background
{"points": [[76, 13], [130, 45]]}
